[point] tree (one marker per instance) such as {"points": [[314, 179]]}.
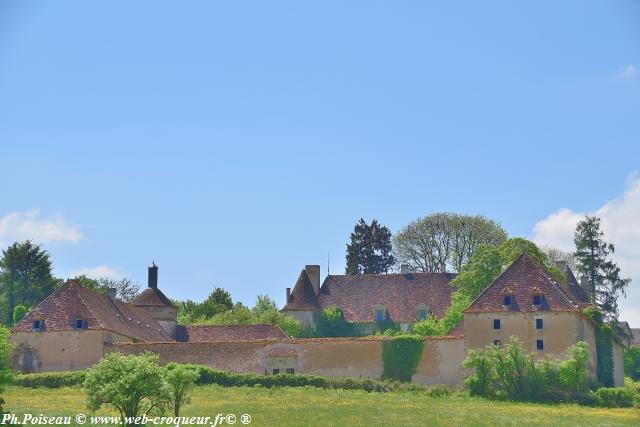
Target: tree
{"points": [[25, 276], [444, 241], [217, 302], [133, 384], [573, 371], [593, 258], [556, 255], [180, 380], [5, 370], [370, 250], [632, 363], [126, 290]]}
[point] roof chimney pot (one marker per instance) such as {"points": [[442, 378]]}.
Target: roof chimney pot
{"points": [[153, 276]]}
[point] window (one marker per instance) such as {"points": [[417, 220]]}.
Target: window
{"points": [[423, 313], [539, 324], [540, 344], [276, 371], [290, 371], [497, 342], [38, 325], [496, 323], [537, 299], [379, 316], [81, 324], [506, 300]]}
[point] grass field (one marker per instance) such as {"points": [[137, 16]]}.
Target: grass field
{"points": [[312, 406]]}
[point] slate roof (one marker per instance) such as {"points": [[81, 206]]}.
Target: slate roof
{"points": [[574, 290], [71, 301], [213, 333], [303, 297], [636, 337], [521, 281], [358, 296], [152, 297]]}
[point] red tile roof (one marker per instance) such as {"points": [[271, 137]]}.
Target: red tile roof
{"points": [[358, 296], [303, 296], [71, 302], [212, 333], [282, 352], [522, 280], [152, 297]]}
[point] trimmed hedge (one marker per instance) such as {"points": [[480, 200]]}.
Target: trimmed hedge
{"points": [[50, 379], [208, 375]]}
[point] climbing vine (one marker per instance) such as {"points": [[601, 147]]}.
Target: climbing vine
{"points": [[604, 346], [400, 356]]}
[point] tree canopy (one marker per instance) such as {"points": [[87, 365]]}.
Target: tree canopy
{"points": [[370, 250], [25, 277], [444, 241], [594, 263]]}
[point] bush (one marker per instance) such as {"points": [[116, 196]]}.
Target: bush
{"points": [[615, 397], [401, 356], [632, 362], [50, 379]]}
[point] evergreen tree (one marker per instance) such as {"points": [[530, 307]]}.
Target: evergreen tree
{"points": [[370, 250], [25, 277], [603, 281]]}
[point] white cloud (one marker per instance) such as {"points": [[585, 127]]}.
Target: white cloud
{"points": [[620, 222], [98, 272], [627, 72], [19, 226]]}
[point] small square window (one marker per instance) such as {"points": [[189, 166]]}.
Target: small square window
{"points": [[38, 325], [422, 314], [497, 342], [506, 300], [379, 315], [540, 344], [290, 371], [80, 324], [539, 324], [276, 371], [537, 299], [496, 323]]}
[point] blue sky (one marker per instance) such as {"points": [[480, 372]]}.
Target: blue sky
{"points": [[233, 143]]}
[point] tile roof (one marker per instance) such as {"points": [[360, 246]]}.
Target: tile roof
{"points": [[523, 279], [357, 296], [635, 342], [282, 352], [70, 302], [212, 333], [303, 296], [152, 297]]}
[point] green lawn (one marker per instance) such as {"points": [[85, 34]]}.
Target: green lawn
{"points": [[312, 406]]}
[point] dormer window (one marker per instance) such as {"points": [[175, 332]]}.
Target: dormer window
{"points": [[537, 299], [506, 300], [38, 325], [380, 314], [81, 324], [422, 313]]}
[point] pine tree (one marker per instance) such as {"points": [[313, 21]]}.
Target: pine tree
{"points": [[370, 250], [593, 258]]}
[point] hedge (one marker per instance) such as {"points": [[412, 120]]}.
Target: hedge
{"points": [[230, 379]]}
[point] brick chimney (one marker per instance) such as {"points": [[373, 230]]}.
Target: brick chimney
{"points": [[313, 272], [288, 295], [111, 293], [405, 269], [153, 276], [561, 265]]}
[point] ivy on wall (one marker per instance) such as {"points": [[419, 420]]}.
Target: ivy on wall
{"points": [[604, 346], [400, 356]]}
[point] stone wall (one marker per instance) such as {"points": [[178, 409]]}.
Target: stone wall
{"points": [[441, 361]]}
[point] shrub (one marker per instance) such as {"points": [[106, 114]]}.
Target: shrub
{"points": [[632, 362], [400, 356], [180, 380], [573, 371], [440, 390], [615, 397], [480, 383]]}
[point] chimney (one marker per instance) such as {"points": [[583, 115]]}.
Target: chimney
{"points": [[111, 292], [153, 276], [288, 295], [405, 269], [561, 265], [313, 272], [443, 267]]}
